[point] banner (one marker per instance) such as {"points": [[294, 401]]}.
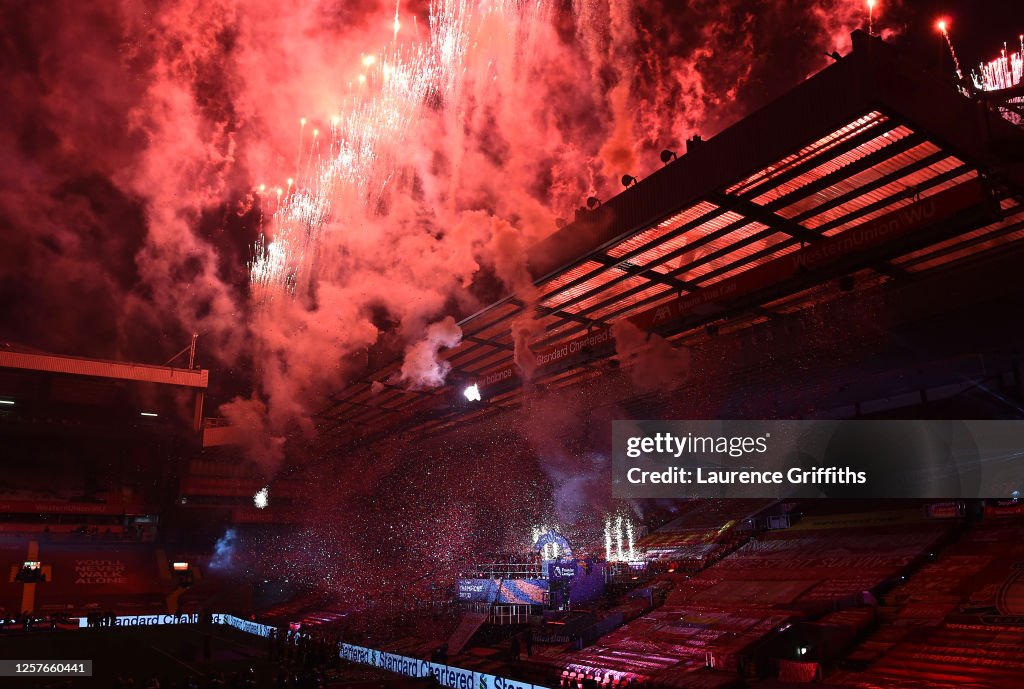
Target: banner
{"points": [[145, 620], [522, 591], [1012, 510], [477, 590], [582, 579], [71, 508], [454, 677], [247, 626], [448, 676], [91, 571], [945, 510], [99, 569]]}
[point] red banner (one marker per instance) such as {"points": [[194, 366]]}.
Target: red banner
{"points": [[944, 510], [71, 508], [794, 671], [1004, 510]]}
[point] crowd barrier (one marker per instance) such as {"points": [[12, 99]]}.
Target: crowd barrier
{"points": [[447, 675]]}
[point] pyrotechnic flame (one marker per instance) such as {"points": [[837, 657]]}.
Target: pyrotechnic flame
{"points": [[262, 498], [618, 539]]}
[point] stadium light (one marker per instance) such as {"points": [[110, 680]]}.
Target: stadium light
{"points": [[628, 180], [148, 414], [593, 202], [668, 156], [9, 403], [472, 393]]}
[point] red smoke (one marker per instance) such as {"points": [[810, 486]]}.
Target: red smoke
{"points": [[136, 135]]}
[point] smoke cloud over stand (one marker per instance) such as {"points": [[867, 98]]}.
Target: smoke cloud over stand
{"points": [[316, 186]]}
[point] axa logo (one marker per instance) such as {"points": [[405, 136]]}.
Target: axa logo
{"points": [[662, 313]]}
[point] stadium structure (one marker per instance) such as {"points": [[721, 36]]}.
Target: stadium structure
{"points": [[874, 182], [851, 250]]}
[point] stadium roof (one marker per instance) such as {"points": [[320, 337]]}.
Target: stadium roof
{"points": [[11, 358], [33, 384], [873, 167]]}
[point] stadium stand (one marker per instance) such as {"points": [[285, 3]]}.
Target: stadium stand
{"points": [[13, 551], [704, 531], [716, 618], [958, 622]]}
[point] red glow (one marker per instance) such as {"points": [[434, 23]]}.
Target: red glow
{"points": [[942, 25]]}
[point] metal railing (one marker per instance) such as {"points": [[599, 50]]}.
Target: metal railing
{"points": [[509, 614], [508, 570]]}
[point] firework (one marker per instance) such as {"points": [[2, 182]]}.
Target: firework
{"points": [[943, 26], [618, 539], [362, 150], [1004, 72]]}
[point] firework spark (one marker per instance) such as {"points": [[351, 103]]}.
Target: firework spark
{"points": [[943, 26], [1006, 71], [363, 149], [619, 539]]}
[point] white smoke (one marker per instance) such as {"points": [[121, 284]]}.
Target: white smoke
{"points": [[224, 551], [422, 368]]}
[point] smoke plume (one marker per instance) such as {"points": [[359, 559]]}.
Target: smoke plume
{"points": [[422, 368], [301, 183], [653, 363]]}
